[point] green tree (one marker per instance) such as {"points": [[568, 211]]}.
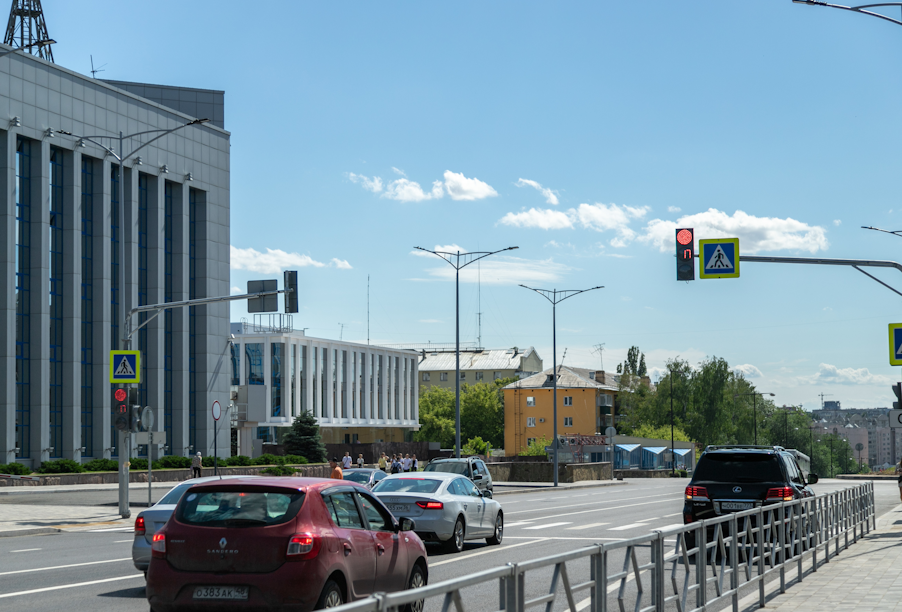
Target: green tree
{"points": [[437, 417], [482, 413], [304, 439], [536, 448], [476, 446], [643, 369], [660, 433], [710, 419]]}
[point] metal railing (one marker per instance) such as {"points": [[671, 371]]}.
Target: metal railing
{"points": [[710, 562]]}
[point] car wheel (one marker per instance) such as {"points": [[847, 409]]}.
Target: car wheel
{"points": [[331, 596], [417, 580], [455, 543], [496, 537]]}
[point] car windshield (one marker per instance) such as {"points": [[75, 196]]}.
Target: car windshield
{"points": [[407, 485], [361, 477], [174, 495], [738, 467], [452, 467], [239, 508]]}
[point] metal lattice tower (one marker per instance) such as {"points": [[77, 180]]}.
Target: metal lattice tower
{"points": [[27, 26]]}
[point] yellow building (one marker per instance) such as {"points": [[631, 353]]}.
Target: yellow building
{"points": [[585, 406], [437, 368]]}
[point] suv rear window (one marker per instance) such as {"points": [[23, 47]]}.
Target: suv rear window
{"points": [[407, 485], [738, 467], [452, 467], [239, 508]]}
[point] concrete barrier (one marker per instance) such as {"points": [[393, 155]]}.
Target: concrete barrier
{"points": [[543, 471], [641, 474]]}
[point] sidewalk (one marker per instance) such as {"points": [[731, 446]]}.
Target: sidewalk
{"points": [[867, 576], [502, 488]]}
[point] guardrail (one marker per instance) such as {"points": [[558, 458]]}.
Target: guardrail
{"points": [[709, 564]]}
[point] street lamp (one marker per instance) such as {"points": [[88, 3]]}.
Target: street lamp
{"points": [[855, 9], [672, 451], [552, 296], [37, 43], [754, 395], [468, 259]]}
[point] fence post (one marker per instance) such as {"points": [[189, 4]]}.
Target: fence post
{"points": [[701, 564], [734, 563], [760, 545], [508, 590], [814, 524], [799, 537], [781, 541], [657, 583]]}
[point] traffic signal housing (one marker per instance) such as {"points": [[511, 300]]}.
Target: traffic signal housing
{"points": [[134, 420], [685, 253], [291, 298], [897, 389]]}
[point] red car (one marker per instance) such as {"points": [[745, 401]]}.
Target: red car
{"points": [[281, 544]]}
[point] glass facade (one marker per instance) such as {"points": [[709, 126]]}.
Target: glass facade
{"points": [[302, 377], [143, 205], [236, 364], [55, 261], [23, 295], [115, 230], [87, 306], [278, 358], [353, 374], [294, 380], [168, 296], [379, 402], [335, 396], [315, 377], [325, 379], [194, 205], [397, 381], [253, 354], [342, 379]]}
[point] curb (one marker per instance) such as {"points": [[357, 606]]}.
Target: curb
{"points": [[526, 488], [46, 490], [30, 532]]}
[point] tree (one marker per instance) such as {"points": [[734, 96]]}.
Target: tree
{"points": [[482, 413], [536, 448], [304, 439], [476, 446], [660, 433], [710, 420], [437, 417], [643, 369]]}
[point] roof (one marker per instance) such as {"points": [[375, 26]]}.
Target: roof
{"points": [[568, 378], [485, 359], [628, 447], [281, 482]]}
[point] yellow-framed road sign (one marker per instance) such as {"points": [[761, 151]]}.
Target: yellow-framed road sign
{"points": [[895, 343], [718, 258], [125, 367]]}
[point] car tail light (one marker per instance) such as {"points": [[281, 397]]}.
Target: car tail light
{"points": [[139, 525], [696, 493], [430, 505], [302, 546], [158, 546], [687, 518], [780, 494]]}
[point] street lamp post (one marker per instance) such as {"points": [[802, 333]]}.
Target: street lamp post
{"points": [[856, 9], [672, 451], [754, 395], [37, 43], [468, 259], [552, 296]]}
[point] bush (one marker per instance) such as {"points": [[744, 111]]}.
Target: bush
{"points": [[138, 464], [278, 470], [237, 460], [268, 459], [14, 468], [535, 449], [61, 466], [173, 462], [101, 465], [294, 460]]}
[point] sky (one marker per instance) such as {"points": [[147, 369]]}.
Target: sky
{"points": [[583, 133]]}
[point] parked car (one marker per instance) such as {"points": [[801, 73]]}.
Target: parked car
{"points": [[149, 521], [281, 544], [447, 507], [368, 477], [472, 467]]}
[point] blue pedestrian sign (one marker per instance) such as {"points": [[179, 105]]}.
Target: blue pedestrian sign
{"points": [[895, 343], [718, 258], [125, 367]]}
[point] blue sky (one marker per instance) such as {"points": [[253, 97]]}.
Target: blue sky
{"points": [[582, 132]]}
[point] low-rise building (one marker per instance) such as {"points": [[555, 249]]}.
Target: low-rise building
{"points": [[437, 367]]}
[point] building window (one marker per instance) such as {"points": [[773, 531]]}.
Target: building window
{"points": [[397, 389], [530, 441], [361, 372], [425, 376], [342, 378], [315, 382], [379, 374], [336, 398], [253, 353], [55, 263], [591, 375], [496, 375], [530, 421], [324, 380], [195, 211], [236, 364], [278, 358], [87, 306], [443, 377], [301, 379], [568, 400], [530, 401], [294, 381], [23, 295], [352, 373], [479, 376], [463, 376], [568, 421]]}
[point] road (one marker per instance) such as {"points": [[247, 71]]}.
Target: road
{"points": [[91, 569]]}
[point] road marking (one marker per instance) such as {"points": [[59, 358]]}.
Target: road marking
{"points": [[651, 519], [518, 524], [532, 540], [123, 541], [547, 525], [56, 567], [113, 529], [591, 503], [674, 514], [625, 527], [590, 526], [553, 516], [25, 550], [69, 586]]}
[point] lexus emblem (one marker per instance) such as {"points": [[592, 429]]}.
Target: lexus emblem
{"points": [[223, 542], [737, 489]]}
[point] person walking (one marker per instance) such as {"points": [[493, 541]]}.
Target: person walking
{"points": [[346, 460], [337, 474], [395, 465], [406, 463], [360, 461], [383, 463], [415, 465], [197, 462]]}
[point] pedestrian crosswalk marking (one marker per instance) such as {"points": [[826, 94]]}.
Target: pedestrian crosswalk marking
{"points": [[625, 527], [590, 526], [518, 524], [547, 525]]}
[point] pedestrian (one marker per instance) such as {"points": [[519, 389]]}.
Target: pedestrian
{"points": [[360, 461], [383, 463], [346, 460], [336, 471], [415, 467], [406, 463], [197, 462], [395, 465]]}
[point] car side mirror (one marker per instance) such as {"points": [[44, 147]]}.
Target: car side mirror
{"points": [[488, 494], [407, 524], [812, 478]]}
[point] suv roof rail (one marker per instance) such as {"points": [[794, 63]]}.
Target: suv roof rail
{"points": [[772, 447]]}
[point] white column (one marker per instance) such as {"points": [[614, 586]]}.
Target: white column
{"points": [[72, 306], [39, 316], [8, 297], [103, 309], [180, 345]]}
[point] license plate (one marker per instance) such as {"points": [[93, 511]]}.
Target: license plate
{"points": [[397, 508], [736, 505], [220, 592]]}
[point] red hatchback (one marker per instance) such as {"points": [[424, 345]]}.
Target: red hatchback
{"points": [[281, 544]]}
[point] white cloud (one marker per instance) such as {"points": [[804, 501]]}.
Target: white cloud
{"points": [[235, 290], [673, 209], [498, 269], [541, 218], [604, 217], [404, 190], [370, 184], [398, 171], [341, 264], [550, 195], [755, 233], [429, 321], [847, 376], [276, 260], [748, 370], [460, 187], [448, 248], [837, 222]]}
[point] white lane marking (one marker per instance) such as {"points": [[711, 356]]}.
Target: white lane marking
{"points": [[651, 519], [518, 524], [575, 496], [56, 567], [589, 526], [25, 550], [69, 586], [625, 527], [532, 540], [552, 516], [123, 541], [674, 514], [113, 529], [566, 538], [591, 503], [547, 525]]}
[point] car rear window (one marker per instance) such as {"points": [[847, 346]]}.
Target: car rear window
{"points": [[407, 485], [238, 508], [738, 467], [361, 477], [452, 467], [175, 494]]}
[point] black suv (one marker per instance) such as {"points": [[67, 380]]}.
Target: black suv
{"points": [[471, 467], [735, 478]]}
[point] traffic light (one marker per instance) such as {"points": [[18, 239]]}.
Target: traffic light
{"points": [[291, 298], [120, 408], [897, 389], [134, 420], [685, 253]]}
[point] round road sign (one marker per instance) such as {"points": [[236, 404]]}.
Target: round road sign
{"points": [[610, 432], [217, 410], [147, 418]]}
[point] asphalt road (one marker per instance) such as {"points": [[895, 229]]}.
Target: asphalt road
{"points": [[92, 570]]}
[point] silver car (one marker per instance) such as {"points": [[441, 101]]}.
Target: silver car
{"points": [[149, 521], [368, 477], [447, 508]]}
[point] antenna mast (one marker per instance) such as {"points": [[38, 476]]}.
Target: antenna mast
{"points": [[26, 26], [599, 348], [478, 305]]}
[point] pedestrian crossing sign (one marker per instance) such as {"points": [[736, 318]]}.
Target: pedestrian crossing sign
{"points": [[125, 367], [718, 258], [895, 343]]}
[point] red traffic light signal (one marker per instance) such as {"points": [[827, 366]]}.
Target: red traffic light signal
{"points": [[120, 395], [685, 253]]}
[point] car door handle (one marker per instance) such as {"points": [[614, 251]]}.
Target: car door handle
{"points": [[380, 549], [348, 549]]}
